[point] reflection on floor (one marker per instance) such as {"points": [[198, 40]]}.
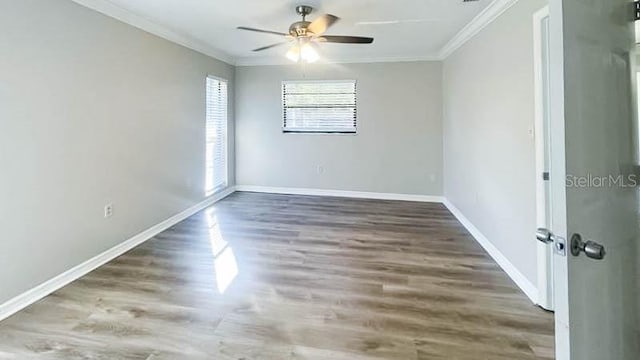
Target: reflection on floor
{"points": [[262, 276]]}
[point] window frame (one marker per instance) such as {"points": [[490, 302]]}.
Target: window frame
{"points": [[225, 183], [288, 131]]}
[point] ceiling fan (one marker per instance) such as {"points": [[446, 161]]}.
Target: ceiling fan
{"points": [[304, 36]]}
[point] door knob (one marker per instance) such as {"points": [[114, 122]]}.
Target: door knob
{"points": [[547, 237], [590, 248], [544, 235]]}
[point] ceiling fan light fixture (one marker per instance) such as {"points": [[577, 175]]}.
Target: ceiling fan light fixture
{"points": [[294, 53], [306, 52], [309, 53]]}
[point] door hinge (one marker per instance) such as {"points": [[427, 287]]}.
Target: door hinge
{"points": [[545, 176], [636, 10]]}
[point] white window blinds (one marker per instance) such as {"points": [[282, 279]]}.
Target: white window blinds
{"points": [[319, 106], [216, 135]]}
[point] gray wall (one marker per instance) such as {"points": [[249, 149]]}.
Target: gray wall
{"points": [[489, 157], [398, 148], [92, 111]]}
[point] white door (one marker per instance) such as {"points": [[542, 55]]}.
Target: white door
{"points": [[594, 142]]}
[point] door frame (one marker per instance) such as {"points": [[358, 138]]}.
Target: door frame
{"points": [[544, 251], [558, 168]]}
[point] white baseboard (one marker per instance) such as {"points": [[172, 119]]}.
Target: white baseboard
{"points": [[340, 193], [30, 296], [523, 283]]}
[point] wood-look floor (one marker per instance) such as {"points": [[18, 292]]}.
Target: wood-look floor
{"points": [[317, 278]]}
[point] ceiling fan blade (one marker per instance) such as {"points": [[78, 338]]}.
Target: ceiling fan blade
{"points": [[271, 46], [345, 39], [321, 24], [262, 31]]}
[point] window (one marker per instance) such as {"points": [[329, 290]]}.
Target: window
{"points": [[319, 106], [216, 135]]}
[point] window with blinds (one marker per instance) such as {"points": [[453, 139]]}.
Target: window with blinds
{"points": [[216, 135], [319, 106]]}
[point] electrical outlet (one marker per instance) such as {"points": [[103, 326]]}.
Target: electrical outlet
{"points": [[108, 211]]}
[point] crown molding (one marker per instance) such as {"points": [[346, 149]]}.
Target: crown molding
{"points": [[110, 9], [263, 61], [106, 7], [484, 18]]}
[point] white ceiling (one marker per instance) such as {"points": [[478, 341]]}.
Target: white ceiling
{"points": [[416, 29]]}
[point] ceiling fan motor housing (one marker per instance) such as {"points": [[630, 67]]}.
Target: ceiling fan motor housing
{"points": [[299, 29]]}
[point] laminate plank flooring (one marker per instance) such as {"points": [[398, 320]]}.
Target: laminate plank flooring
{"points": [[261, 276]]}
